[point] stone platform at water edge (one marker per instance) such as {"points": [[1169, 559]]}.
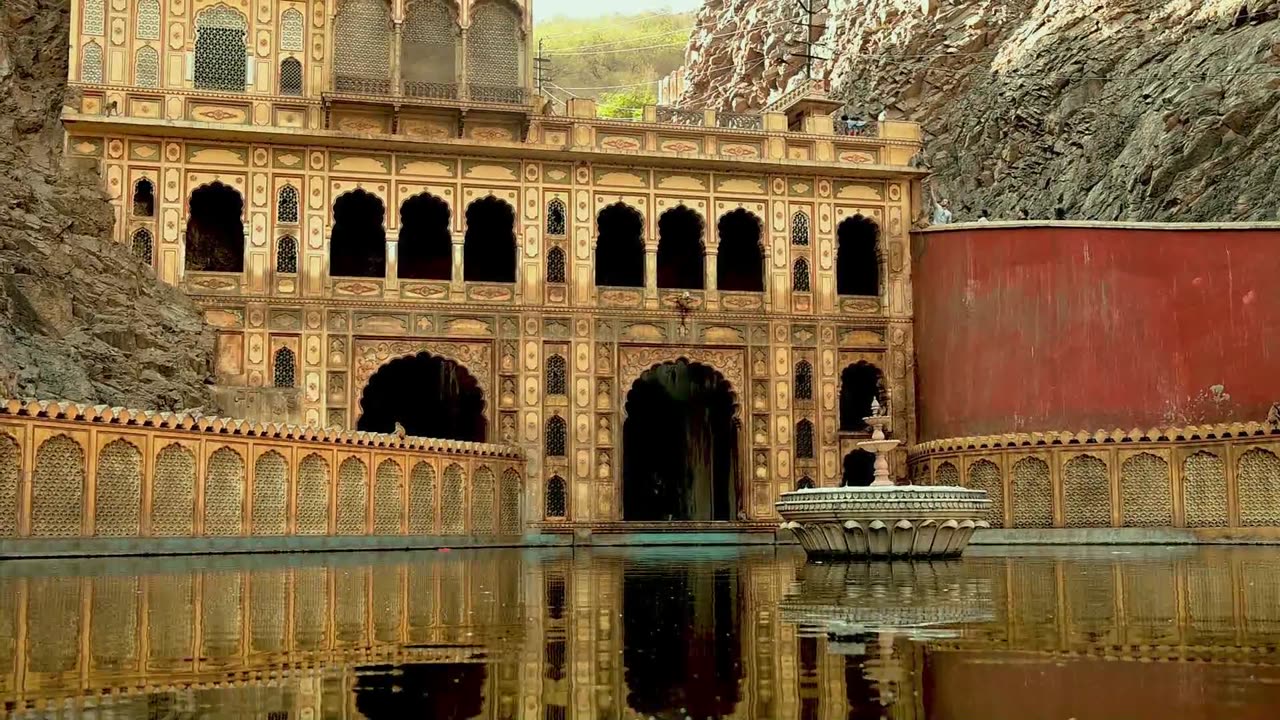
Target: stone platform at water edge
{"points": [[908, 521]]}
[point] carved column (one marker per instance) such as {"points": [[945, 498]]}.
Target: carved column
{"points": [[396, 28], [391, 271], [463, 91], [651, 275], [459, 240], [709, 275]]}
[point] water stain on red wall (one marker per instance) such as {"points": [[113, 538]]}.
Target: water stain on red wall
{"points": [[1081, 328]]}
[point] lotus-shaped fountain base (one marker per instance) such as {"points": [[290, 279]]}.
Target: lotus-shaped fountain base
{"points": [[905, 521]]}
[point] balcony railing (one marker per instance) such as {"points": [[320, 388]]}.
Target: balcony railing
{"points": [[740, 121], [497, 94], [677, 116], [361, 85], [429, 90], [855, 128]]}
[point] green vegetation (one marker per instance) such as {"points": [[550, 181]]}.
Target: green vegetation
{"points": [[615, 58]]}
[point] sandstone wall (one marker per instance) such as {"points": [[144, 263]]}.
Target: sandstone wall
{"points": [[1109, 109], [80, 318]]}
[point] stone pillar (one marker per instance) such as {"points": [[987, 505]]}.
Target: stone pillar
{"points": [[459, 240], [391, 269], [463, 91], [395, 56], [651, 275], [709, 278]]}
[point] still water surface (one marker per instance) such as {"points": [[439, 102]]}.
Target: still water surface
{"points": [[662, 633]]}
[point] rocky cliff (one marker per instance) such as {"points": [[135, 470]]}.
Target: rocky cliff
{"points": [[80, 318], [1107, 109]]}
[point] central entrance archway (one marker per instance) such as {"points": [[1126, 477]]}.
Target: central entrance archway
{"points": [[428, 395], [680, 446]]}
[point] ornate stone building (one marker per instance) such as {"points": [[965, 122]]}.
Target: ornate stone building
{"points": [[386, 225]]}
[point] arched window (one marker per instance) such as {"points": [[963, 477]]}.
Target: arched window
{"points": [[94, 18], [146, 67], [287, 205], [620, 247], [292, 26], [489, 254], [800, 228], [221, 54], [556, 375], [804, 440], [215, 233], [555, 217], [144, 198], [557, 498], [800, 276], [680, 249], [426, 245], [284, 368], [362, 47], [428, 50], [805, 483], [804, 380], [556, 432], [493, 53], [358, 243], [290, 76], [287, 255], [857, 257], [142, 245], [859, 383], [149, 19], [555, 265], [91, 64], [740, 263]]}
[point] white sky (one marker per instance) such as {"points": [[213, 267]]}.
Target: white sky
{"points": [[547, 9]]}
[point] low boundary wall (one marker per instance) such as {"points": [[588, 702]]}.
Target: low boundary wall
{"points": [[77, 479], [1221, 482]]}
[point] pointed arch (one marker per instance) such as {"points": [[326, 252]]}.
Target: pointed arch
{"points": [[144, 198], [1086, 489], [148, 19], [362, 35], [555, 266], [118, 494], [489, 252], [422, 499], [221, 50], [557, 431], [353, 496], [224, 493], [452, 499], [859, 384], [290, 76], [10, 471], [1146, 491], [509, 519], [91, 63], [215, 231], [557, 372], [740, 260], [804, 380], [57, 488], [428, 50], [680, 249], [425, 243], [287, 255], [284, 368], [143, 246], [358, 242], [1258, 480], [482, 497], [557, 499], [1032, 494], [494, 53], [556, 217], [804, 440], [173, 487], [985, 475], [800, 276], [313, 496], [287, 205], [858, 257], [292, 30], [146, 67], [1204, 490], [388, 498], [800, 229], [620, 247], [270, 493], [93, 18]]}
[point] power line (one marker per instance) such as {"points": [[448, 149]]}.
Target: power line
{"points": [[737, 33], [628, 21], [752, 66]]}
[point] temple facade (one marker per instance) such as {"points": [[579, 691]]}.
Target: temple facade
{"points": [[391, 230]]}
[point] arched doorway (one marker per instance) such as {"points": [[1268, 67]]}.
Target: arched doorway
{"points": [[859, 383], [858, 257], [215, 234], [740, 262], [680, 249], [680, 446], [426, 246], [620, 247], [358, 242], [489, 247], [428, 395], [859, 469]]}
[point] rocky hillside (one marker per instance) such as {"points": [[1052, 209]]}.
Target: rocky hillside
{"points": [[80, 318], [1108, 109]]}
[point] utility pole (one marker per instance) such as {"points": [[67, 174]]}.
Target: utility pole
{"points": [[541, 68], [816, 14]]}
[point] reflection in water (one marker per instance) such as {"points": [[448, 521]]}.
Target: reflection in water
{"points": [[705, 633]]}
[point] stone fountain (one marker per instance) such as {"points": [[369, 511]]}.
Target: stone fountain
{"points": [[884, 520]]}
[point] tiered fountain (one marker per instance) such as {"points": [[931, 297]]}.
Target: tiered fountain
{"points": [[884, 520]]}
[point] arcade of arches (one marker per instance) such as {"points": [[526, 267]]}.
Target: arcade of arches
{"points": [[426, 395]]}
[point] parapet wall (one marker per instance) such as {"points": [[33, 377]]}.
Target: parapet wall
{"points": [[1050, 326], [76, 479]]}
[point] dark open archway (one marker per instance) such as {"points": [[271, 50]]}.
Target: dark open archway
{"points": [[680, 446], [358, 243], [740, 262], [444, 691], [680, 249], [858, 257], [425, 247], [859, 383], [144, 199], [490, 251], [859, 469], [620, 247], [215, 233], [429, 396]]}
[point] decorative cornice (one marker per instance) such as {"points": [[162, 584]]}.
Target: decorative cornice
{"points": [[1190, 433], [209, 424]]}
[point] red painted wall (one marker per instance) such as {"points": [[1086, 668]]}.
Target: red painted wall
{"points": [[1078, 328]]}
